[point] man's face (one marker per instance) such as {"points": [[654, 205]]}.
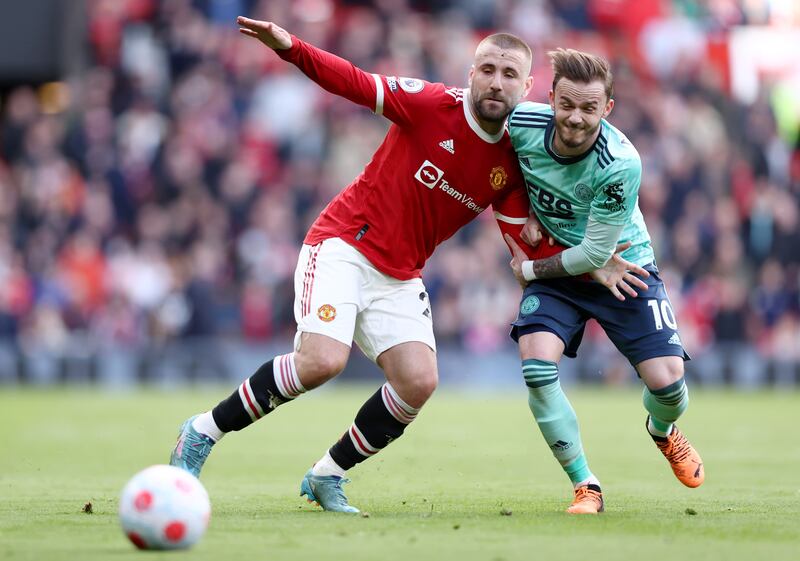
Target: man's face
{"points": [[578, 108], [498, 79]]}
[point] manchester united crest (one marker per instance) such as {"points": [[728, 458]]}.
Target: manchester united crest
{"points": [[326, 312], [498, 178]]}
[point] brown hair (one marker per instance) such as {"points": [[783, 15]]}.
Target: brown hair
{"points": [[581, 67]]}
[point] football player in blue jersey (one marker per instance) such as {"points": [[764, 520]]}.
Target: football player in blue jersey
{"points": [[583, 177]]}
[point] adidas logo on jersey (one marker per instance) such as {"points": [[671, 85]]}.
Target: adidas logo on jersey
{"points": [[448, 145], [674, 340]]}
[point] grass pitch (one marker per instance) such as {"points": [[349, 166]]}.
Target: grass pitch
{"points": [[471, 479]]}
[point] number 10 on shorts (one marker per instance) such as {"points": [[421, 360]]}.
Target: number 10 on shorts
{"points": [[662, 313]]}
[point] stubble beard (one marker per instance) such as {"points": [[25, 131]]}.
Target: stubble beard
{"points": [[569, 142], [491, 116]]}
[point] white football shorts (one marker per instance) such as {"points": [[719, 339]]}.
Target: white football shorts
{"points": [[339, 293]]}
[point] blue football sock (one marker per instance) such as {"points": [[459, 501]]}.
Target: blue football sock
{"points": [[665, 406], [556, 417]]}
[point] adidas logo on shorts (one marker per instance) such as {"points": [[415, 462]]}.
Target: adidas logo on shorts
{"points": [[674, 340]]}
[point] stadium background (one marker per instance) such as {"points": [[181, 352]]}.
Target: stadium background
{"points": [[158, 172]]}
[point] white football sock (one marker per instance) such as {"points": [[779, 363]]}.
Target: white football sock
{"points": [[591, 481], [326, 466], [655, 432], [204, 424]]}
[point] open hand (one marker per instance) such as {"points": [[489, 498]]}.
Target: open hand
{"points": [[617, 275], [271, 35]]}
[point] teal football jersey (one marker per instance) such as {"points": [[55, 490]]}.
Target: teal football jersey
{"points": [[565, 191]]}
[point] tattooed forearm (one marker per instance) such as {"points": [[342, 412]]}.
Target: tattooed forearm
{"points": [[549, 268]]}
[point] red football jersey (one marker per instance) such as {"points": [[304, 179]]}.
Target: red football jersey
{"points": [[435, 171]]}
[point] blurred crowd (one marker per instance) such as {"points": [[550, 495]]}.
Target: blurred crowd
{"points": [[162, 192]]}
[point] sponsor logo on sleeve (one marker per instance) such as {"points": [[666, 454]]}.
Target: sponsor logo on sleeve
{"points": [[614, 201], [392, 83], [411, 85], [498, 178]]}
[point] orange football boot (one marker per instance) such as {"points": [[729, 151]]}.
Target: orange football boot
{"points": [[588, 500], [686, 463]]}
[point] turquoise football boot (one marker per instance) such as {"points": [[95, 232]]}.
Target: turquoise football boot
{"points": [[326, 491], [192, 449]]}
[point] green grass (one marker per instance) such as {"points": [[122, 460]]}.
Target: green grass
{"points": [[437, 493]]}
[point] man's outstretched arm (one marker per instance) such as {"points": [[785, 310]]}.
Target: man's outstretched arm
{"points": [[334, 74], [273, 36]]}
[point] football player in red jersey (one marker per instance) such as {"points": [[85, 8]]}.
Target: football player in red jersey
{"points": [[446, 158]]}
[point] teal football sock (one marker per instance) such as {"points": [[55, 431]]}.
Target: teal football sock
{"points": [[665, 406], [556, 417]]}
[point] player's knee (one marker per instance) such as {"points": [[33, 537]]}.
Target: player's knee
{"points": [[661, 372], [417, 386], [674, 369], [428, 383], [315, 368], [329, 365]]}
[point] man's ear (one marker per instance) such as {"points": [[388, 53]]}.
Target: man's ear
{"points": [[609, 107], [528, 86]]}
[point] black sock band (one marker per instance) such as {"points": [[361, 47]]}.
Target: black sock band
{"points": [[255, 397], [382, 419]]}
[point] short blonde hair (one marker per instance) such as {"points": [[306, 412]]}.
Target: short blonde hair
{"points": [[508, 41]]}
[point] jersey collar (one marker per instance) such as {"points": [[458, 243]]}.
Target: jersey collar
{"points": [[566, 160], [473, 124]]}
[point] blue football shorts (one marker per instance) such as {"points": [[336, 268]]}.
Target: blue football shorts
{"points": [[641, 328]]}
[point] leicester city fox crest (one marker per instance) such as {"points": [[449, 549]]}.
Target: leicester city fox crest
{"points": [[614, 193]]}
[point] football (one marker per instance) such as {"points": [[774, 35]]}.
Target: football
{"points": [[164, 507]]}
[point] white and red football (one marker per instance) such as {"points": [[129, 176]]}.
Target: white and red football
{"points": [[164, 507]]}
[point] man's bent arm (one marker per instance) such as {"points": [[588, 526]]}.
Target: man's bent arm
{"points": [[592, 253], [512, 213]]}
